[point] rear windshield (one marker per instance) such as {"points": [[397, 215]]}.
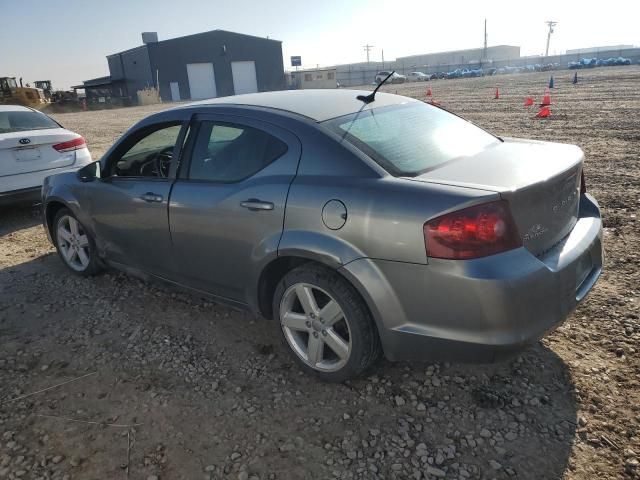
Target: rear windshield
{"points": [[410, 139], [21, 121]]}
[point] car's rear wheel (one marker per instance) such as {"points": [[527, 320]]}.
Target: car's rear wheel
{"points": [[74, 244], [325, 323]]}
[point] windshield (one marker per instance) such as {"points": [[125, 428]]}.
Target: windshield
{"points": [[410, 139], [22, 121]]}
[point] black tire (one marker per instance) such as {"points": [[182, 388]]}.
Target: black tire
{"points": [[95, 265], [365, 342]]}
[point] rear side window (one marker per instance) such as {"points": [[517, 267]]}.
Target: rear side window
{"points": [[225, 152], [24, 121], [410, 139]]}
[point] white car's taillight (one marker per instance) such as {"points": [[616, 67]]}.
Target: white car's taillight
{"points": [[71, 145]]}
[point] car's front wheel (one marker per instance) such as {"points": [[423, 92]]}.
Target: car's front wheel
{"points": [[75, 244], [325, 323]]}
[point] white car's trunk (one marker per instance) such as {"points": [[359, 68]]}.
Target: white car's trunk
{"points": [[18, 156]]}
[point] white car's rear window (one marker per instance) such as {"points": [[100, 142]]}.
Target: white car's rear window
{"points": [[410, 139], [19, 121]]}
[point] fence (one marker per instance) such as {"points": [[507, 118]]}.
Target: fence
{"points": [[363, 74]]}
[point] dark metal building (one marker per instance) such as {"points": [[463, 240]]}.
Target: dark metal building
{"points": [[204, 65]]}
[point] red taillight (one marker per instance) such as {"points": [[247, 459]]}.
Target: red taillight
{"points": [[583, 184], [474, 232], [71, 145]]}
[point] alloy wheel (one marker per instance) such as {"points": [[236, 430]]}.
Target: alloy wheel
{"points": [[73, 243], [315, 327]]}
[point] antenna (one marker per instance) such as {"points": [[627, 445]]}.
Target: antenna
{"points": [[551, 24], [367, 48], [372, 96]]}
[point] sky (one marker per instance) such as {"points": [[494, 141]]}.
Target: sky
{"points": [[67, 40]]}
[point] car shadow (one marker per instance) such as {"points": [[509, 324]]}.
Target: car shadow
{"points": [[514, 419], [18, 217], [520, 412]]}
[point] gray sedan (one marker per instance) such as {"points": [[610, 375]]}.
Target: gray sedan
{"points": [[361, 225]]}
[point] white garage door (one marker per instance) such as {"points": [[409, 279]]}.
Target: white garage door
{"points": [[244, 77], [202, 80]]}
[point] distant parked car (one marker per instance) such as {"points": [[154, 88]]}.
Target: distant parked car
{"points": [[361, 224], [418, 77], [32, 146], [395, 78]]}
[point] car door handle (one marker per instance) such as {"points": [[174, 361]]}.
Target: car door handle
{"points": [[151, 197], [254, 204]]}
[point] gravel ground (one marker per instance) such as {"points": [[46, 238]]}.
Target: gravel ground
{"points": [[167, 386]]}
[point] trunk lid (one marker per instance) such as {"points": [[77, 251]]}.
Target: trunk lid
{"points": [[540, 180], [19, 156]]}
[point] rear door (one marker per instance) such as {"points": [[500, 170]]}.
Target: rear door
{"points": [[227, 206], [129, 203]]}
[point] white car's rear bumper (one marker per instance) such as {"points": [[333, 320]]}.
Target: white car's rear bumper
{"points": [[24, 186]]}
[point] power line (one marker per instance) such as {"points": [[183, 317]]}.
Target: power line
{"points": [[551, 24]]}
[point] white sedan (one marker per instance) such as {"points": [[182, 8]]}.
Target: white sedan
{"points": [[32, 147], [418, 77]]}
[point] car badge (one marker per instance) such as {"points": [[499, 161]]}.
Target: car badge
{"points": [[24, 141], [535, 231]]}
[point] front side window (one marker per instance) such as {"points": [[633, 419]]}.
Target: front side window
{"points": [[410, 139], [22, 121], [149, 156], [225, 152]]}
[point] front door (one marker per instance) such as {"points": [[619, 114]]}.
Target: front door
{"points": [[129, 204], [227, 206]]}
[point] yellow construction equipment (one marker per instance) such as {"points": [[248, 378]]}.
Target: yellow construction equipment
{"points": [[12, 94]]}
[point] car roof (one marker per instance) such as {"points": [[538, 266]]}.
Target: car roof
{"points": [[319, 105], [14, 108]]}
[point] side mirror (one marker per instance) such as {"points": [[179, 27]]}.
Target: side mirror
{"points": [[90, 172]]}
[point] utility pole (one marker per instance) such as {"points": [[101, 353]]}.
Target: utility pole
{"points": [[383, 58], [551, 24], [367, 48], [484, 52]]}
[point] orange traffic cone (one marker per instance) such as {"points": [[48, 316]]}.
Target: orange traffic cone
{"points": [[528, 102], [429, 94], [544, 112], [497, 97], [546, 100]]}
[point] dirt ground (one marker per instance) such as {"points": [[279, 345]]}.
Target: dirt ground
{"points": [[167, 386]]}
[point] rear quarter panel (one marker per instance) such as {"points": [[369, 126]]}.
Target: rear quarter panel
{"points": [[385, 215]]}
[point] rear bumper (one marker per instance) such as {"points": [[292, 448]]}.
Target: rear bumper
{"points": [[24, 195], [25, 187], [484, 309]]}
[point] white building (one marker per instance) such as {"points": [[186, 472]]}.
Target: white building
{"points": [[313, 78]]}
